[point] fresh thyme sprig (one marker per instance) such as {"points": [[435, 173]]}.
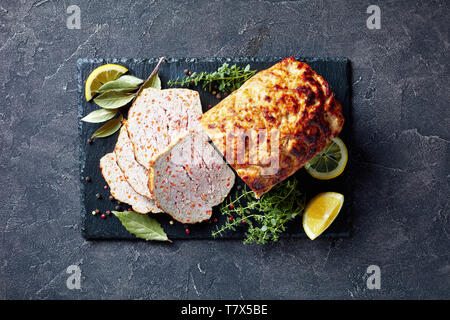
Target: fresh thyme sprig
{"points": [[225, 79], [266, 218]]}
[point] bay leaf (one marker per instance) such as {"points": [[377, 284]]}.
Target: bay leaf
{"points": [[99, 115], [124, 84], [113, 99], [153, 79], [153, 82], [108, 128], [142, 226]]}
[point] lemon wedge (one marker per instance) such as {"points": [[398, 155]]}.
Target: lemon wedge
{"points": [[330, 162], [320, 212], [100, 76]]}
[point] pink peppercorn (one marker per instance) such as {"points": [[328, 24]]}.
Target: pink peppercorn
{"points": [[188, 231], [103, 216], [215, 220], [230, 218], [231, 206], [105, 187]]}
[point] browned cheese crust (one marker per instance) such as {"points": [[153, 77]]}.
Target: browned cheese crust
{"points": [[293, 105]]}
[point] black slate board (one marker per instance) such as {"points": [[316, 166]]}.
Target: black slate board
{"points": [[336, 71]]}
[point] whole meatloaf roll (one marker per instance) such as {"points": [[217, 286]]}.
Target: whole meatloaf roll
{"points": [[190, 178], [158, 118], [274, 123], [120, 189]]}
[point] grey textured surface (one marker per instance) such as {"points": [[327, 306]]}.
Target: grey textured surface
{"points": [[401, 150]]}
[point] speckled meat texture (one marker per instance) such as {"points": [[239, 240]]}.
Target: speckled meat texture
{"points": [[158, 118], [120, 189], [135, 174], [287, 111], [190, 178]]}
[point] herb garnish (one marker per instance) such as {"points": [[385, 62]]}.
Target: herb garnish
{"points": [[115, 94], [225, 79], [108, 128], [142, 226], [266, 217]]}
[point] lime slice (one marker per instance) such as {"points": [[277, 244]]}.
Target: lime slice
{"points": [[100, 76], [320, 212], [330, 162]]}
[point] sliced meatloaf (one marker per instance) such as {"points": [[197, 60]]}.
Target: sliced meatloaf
{"points": [[120, 189], [189, 179], [157, 118], [135, 174]]}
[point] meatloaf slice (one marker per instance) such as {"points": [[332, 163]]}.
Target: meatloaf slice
{"points": [[135, 174], [157, 118], [189, 179], [120, 189]]}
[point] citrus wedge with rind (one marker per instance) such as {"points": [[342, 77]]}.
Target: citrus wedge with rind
{"points": [[100, 76], [320, 213], [330, 162]]}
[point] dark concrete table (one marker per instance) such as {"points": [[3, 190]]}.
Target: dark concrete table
{"points": [[401, 158]]}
